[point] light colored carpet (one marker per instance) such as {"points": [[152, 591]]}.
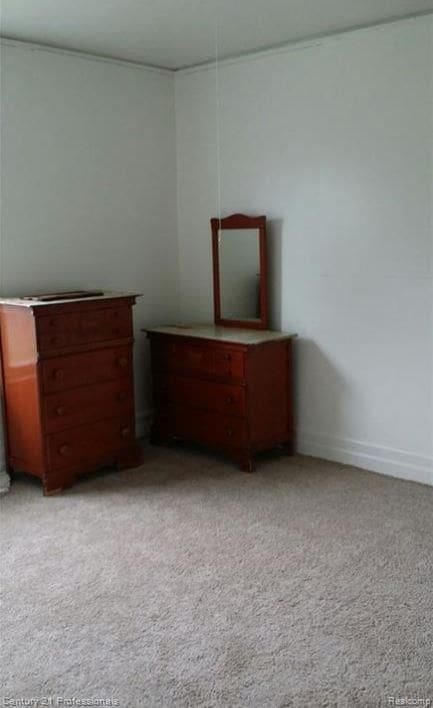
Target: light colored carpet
{"points": [[189, 583]]}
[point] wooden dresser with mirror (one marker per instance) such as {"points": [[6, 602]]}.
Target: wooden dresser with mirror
{"points": [[227, 385], [67, 374]]}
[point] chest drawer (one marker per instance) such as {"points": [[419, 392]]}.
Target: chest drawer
{"points": [[63, 372], [210, 428], [87, 404], [69, 329], [207, 395], [89, 444], [198, 359]]}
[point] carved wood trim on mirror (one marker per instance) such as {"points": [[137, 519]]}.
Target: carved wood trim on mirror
{"points": [[239, 299]]}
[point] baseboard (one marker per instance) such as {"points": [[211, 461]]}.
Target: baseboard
{"points": [[376, 458], [143, 421]]}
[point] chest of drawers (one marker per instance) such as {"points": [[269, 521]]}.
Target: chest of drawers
{"points": [[67, 376], [225, 388]]}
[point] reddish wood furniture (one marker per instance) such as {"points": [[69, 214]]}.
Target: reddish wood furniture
{"points": [[230, 389], [68, 386]]}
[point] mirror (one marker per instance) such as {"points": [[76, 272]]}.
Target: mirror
{"points": [[239, 260], [239, 263]]}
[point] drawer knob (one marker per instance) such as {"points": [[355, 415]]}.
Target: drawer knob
{"points": [[61, 410], [64, 450], [229, 399], [58, 374], [125, 432], [122, 361], [227, 357], [229, 432], [122, 396]]}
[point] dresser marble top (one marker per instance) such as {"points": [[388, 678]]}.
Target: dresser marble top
{"points": [[222, 334]]}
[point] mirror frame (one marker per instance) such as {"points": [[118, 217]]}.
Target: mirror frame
{"points": [[241, 221]]}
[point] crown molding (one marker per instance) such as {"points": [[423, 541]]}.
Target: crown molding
{"points": [[301, 44], [75, 53], [282, 48]]}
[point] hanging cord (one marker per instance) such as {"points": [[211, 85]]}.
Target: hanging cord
{"points": [[217, 118]]}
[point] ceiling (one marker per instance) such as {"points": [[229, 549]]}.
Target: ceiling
{"points": [[179, 33]]}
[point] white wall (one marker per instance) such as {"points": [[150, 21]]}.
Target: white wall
{"points": [[88, 183], [333, 140]]}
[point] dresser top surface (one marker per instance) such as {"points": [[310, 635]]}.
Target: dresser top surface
{"points": [[222, 334], [30, 302]]}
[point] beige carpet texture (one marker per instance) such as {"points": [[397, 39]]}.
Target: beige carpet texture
{"points": [[187, 582]]}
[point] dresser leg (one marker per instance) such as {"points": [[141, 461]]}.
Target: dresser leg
{"points": [[244, 458], [132, 457], [160, 437], [156, 438], [48, 492], [289, 447], [56, 483]]}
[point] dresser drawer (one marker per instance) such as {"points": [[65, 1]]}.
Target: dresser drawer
{"points": [[87, 444], [63, 372], [207, 395], [57, 331], [210, 428], [87, 404], [228, 363], [198, 359], [113, 323], [71, 329]]}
